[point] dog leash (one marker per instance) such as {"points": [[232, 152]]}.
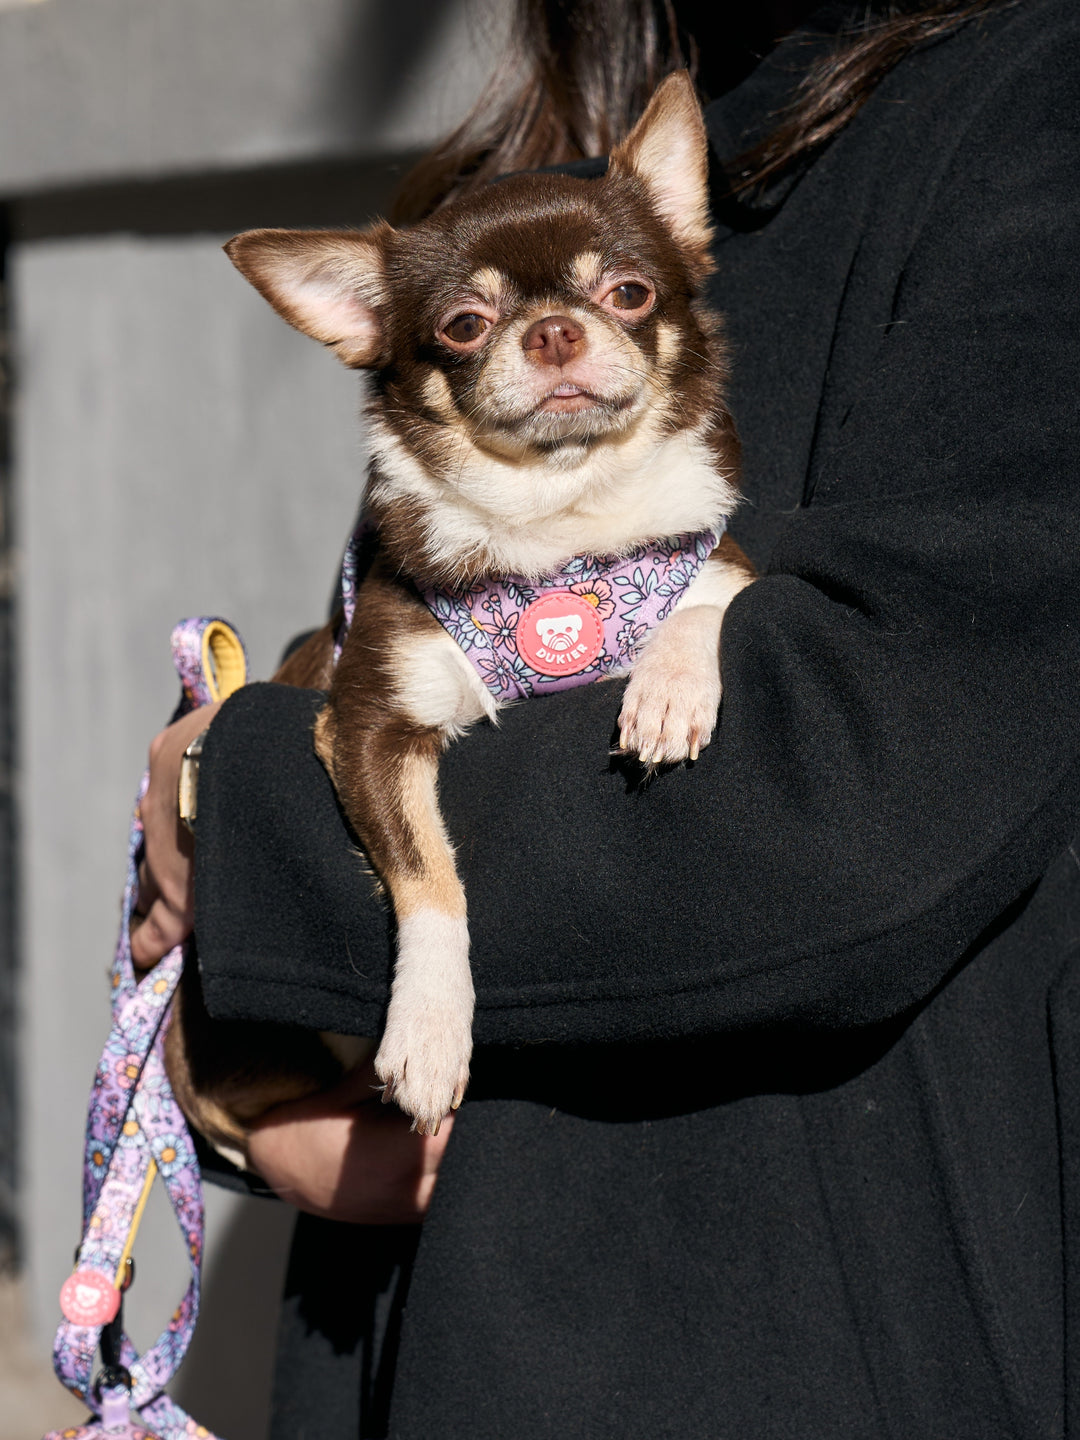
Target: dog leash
{"points": [[135, 1132]]}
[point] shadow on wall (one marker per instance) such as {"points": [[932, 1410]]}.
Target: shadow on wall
{"points": [[403, 40], [176, 389], [425, 56], [225, 1381]]}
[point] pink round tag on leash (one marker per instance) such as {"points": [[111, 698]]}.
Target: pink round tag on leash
{"points": [[89, 1298], [560, 634]]}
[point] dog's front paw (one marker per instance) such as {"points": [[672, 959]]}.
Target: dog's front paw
{"points": [[669, 709], [423, 1057], [424, 1068]]}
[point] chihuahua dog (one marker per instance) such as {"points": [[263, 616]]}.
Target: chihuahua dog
{"points": [[547, 383]]}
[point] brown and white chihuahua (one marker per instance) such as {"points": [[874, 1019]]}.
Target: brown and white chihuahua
{"points": [[546, 382]]}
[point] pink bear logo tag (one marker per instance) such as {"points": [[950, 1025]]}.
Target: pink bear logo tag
{"points": [[89, 1298], [560, 634]]}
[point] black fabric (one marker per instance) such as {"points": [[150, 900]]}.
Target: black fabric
{"points": [[771, 1126], [333, 1323]]}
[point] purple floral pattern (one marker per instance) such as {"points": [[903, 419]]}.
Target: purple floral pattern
{"points": [[134, 1120], [631, 595]]}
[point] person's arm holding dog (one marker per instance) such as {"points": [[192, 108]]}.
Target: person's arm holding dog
{"points": [[923, 632], [342, 1154]]}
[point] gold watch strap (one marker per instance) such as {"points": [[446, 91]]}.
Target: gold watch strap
{"points": [[224, 670], [188, 797]]}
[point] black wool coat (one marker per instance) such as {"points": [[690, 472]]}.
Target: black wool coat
{"points": [[773, 1127]]}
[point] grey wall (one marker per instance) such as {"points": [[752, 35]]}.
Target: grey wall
{"points": [[177, 450], [102, 89], [8, 867]]}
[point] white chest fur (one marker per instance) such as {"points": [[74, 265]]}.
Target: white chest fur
{"points": [[529, 517]]}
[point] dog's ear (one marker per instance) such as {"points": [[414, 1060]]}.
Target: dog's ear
{"points": [[328, 283], [668, 150]]}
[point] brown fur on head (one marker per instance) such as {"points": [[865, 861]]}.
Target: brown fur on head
{"points": [[524, 342]]}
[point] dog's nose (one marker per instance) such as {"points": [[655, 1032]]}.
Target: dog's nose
{"points": [[554, 339]]}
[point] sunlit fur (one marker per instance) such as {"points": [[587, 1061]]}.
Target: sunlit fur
{"points": [[435, 685], [546, 381], [470, 440], [527, 516]]}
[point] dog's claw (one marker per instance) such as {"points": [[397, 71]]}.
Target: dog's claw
{"points": [[668, 711], [426, 1127], [429, 1079]]}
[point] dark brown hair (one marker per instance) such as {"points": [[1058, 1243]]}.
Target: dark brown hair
{"points": [[838, 86], [580, 72], [577, 76]]}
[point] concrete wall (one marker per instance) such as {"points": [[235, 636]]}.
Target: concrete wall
{"points": [[178, 450], [104, 89]]}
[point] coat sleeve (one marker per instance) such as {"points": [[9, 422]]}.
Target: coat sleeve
{"points": [[898, 756]]}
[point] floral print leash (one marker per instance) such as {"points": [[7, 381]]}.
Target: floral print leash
{"points": [[135, 1131], [589, 620]]}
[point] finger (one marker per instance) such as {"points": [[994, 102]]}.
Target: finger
{"points": [[157, 933], [147, 893]]}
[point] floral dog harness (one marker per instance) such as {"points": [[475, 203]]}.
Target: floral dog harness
{"points": [[527, 638]]}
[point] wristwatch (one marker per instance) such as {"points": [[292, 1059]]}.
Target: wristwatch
{"points": [[187, 799]]}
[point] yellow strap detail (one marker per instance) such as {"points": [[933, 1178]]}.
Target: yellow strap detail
{"points": [[135, 1222], [222, 660]]}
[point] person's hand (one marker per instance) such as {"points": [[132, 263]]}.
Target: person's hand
{"points": [[344, 1155], [165, 905]]}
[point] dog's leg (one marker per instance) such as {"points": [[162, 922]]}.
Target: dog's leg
{"points": [[669, 709], [402, 689]]}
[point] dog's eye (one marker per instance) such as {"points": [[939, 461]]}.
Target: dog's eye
{"points": [[630, 300], [464, 329], [630, 296]]}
